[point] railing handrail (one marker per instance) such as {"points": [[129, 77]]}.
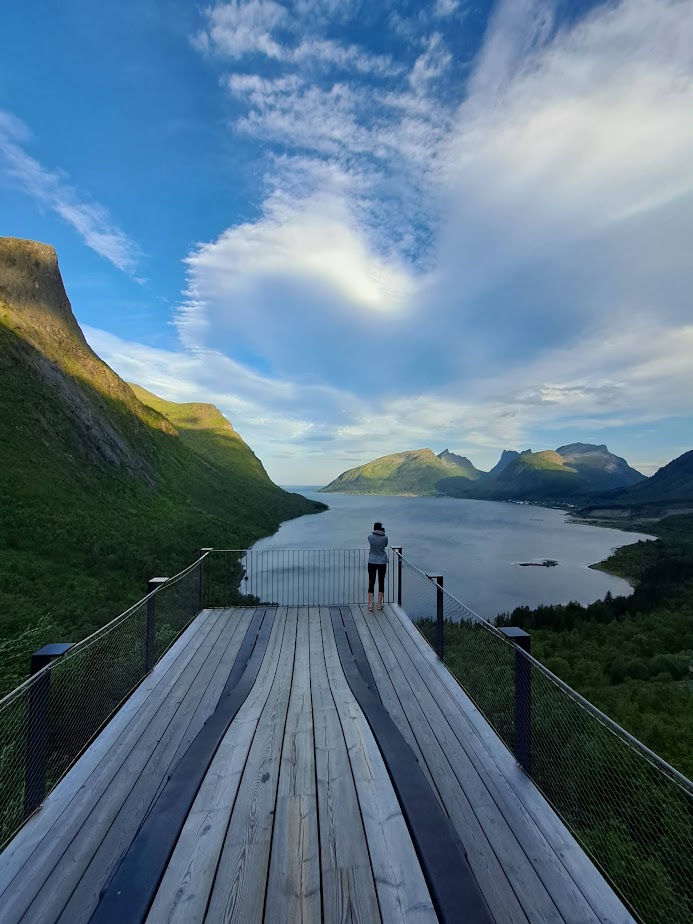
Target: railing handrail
{"points": [[613, 727], [98, 633]]}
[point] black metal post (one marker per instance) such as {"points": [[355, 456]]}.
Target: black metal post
{"points": [[523, 696], [398, 549], [201, 601], [38, 729], [440, 636], [149, 635]]}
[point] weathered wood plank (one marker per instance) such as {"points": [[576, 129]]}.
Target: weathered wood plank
{"points": [[37, 829], [402, 891], [516, 790], [128, 747], [387, 692], [488, 868], [184, 891], [196, 707], [348, 889], [293, 887], [238, 894], [77, 851]]}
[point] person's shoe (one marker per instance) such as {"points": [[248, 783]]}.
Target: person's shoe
{"points": [[380, 604], [370, 607]]}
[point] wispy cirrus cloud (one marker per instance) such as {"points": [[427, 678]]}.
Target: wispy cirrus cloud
{"points": [[471, 259], [52, 189]]}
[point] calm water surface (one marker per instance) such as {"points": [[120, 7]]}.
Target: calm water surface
{"points": [[475, 545]]}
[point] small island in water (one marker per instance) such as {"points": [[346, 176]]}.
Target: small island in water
{"points": [[546, 563]]}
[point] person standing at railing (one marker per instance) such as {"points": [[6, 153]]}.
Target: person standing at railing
{"points": [[377, 564]]}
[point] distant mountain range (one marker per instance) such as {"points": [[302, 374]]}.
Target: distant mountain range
{"points": [[571, 473]]}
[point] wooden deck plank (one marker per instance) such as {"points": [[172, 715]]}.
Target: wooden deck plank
{"points": [[238, 894], [388, 694], [183, 894], [402, 891], [293, 887], [31, 877], [87, 833], [197, 706], [484, 861], [576, 903], [38, 828], [348, 889]]}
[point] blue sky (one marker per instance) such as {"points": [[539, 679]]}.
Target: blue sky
{"points": [[360, 228]]}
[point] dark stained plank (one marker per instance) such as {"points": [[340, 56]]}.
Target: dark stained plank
{"points": [[518, 796], [348, 889], [487, 866], [184, 892], [197, 706], [387, 692], [54, 861], [238, 894], [402, 891], [293, 887]]}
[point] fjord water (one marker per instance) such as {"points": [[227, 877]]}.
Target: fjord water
{"points": [[475, 545]]}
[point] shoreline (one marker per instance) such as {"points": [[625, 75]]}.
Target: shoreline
{"points": [[599, 566]]}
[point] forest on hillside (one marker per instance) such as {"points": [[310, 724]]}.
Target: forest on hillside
{"points": [[632, 656]]}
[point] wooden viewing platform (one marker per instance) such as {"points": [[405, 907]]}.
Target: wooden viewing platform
{"points": [[289, 764]]}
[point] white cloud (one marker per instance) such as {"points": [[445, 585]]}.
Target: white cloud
{"points": [[528, 248], [444, 8], [91, 220]]}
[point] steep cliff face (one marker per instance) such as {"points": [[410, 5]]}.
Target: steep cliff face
{"points": [[99, 490], [106, 419]]}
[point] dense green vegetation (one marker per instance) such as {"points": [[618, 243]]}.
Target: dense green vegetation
{"points": [[98, 492], [416, 471], [574, 471], [631, 655]]}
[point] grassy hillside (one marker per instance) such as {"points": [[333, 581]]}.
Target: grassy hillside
{"points": [[99, 492], [416, 471]]}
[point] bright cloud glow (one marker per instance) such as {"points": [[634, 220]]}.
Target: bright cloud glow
{"points": [[438, 226]]}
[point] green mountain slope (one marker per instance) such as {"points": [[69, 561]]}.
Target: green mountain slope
{"points": [[98, 490], [570, 472], [416, 471]]}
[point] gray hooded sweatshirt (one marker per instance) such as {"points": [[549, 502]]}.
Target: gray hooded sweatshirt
{"points": [[378, 543]]}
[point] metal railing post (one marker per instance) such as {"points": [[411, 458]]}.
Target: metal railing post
{"points": [[440, 638], [38, 729], [149, 635], [398, 551], [523, 696], [203, 553]]}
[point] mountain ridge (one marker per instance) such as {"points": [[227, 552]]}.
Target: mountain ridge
{"points": [[578, 470], [98, 490]]}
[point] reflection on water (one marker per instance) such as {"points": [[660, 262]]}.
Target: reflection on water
{"points": [[475, 545]]}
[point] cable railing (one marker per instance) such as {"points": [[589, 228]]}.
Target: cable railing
{"points": [[48, 721], [291, 577], [630, 811]]}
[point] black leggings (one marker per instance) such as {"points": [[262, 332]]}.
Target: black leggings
{"points": [[372, 571]]}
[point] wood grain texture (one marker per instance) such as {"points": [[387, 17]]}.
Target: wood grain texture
{"points": [[348, 888], [388, 694], [120, 764], [238, 894], [516, 867], [184, 892], [402, 891], [293, 887], [197, 705], [38, 828], [576, 886]]}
